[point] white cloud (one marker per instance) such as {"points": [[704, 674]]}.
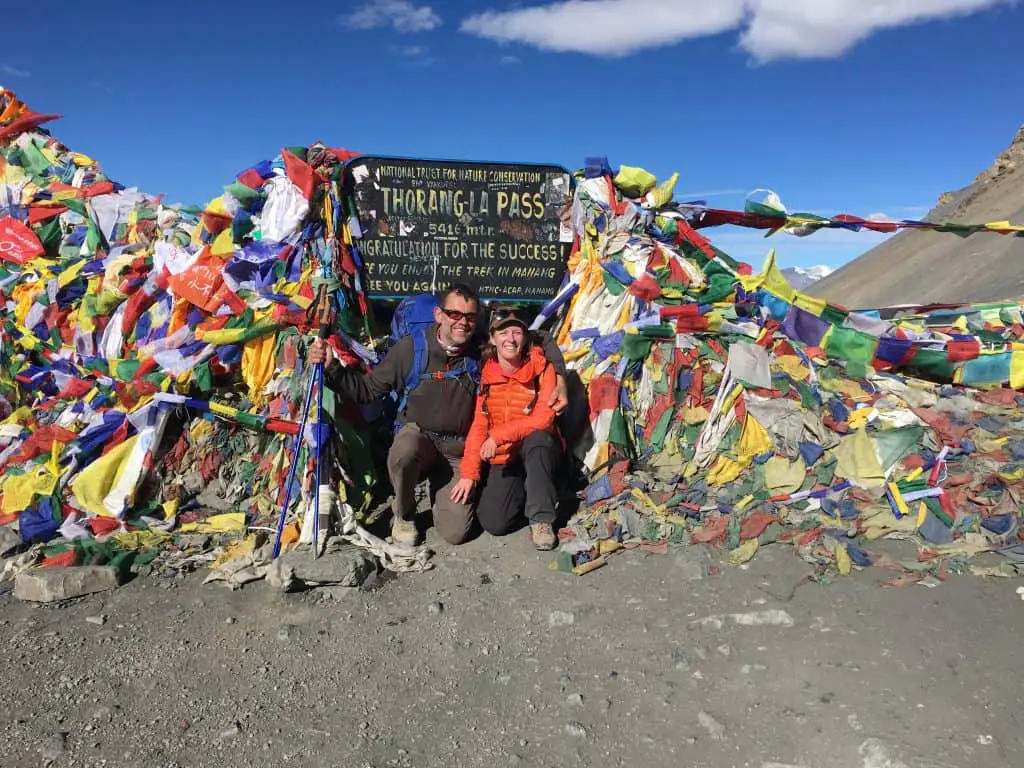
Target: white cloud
{"points": [[879, 216], [510, 60], [402, 15], [606, 27], [7, 69], [802, 29], [769, 29]]}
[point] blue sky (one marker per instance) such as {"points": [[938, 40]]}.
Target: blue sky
{"points": [[837, 105]]}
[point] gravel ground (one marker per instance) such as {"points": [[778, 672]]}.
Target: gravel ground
{"points": [[491, 659]]}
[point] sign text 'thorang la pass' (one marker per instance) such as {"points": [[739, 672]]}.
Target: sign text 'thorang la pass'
{"points": [[428, 223]]}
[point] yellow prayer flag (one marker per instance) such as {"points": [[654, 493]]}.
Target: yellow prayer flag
{"points": [[810, 304], [93, 483], [19, 491], [843, 561], [1017, 367]]}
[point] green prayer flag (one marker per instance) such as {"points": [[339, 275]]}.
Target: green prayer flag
{"points": [[931, 364], [203, 377], [848, 344], [243, 194], [893, 444], [661, 430], [719, 286], [124, 370], [834, 315], [49, 234], [618, 433], [613, 286], [635, 346]]}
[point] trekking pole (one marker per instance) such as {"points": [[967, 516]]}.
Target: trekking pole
{"points": [[295, 463], [324, 318]]}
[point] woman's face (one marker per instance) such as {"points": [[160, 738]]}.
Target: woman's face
{"points": [[509, 343]]}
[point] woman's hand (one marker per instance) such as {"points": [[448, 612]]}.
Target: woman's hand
{"points": [[462, 490], [488, 449], [559, 397]]}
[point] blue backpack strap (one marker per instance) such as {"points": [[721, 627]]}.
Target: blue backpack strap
{"points": [[419, 359], [419, 364]]}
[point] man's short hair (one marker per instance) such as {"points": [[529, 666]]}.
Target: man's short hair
{"points": [[460, 289]]}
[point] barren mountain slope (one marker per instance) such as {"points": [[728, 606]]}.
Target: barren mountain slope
{"points": [[922, 267]]}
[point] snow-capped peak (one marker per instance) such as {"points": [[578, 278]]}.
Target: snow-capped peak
{"points": [[816, 272]]}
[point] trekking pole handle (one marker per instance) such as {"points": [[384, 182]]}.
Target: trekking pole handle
{"points": [[323, 312]]}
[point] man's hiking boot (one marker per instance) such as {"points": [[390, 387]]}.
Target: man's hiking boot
{"points": [[404, 533], [543, 536]]}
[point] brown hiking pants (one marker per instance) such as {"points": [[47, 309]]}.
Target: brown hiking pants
{"points": [[416, 456]]}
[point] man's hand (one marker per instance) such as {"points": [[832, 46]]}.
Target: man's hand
{"points": [[462, 490], [488, 449], [320, 352], [560, 397]]}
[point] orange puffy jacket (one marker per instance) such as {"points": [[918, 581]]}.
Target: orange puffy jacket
{"points": [[509, 407]]}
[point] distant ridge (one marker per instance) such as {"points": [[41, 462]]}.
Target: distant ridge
{"points": [[917, 267]]}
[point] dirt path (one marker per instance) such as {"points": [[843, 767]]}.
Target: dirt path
{"points": [[493, 660]]}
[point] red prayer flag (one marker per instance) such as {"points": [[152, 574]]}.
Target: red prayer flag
{"points": [[18, 243], [41, 213], [199, 283], [300, 173], [251, 178]]}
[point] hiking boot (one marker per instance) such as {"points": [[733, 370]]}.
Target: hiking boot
{"points": [[543, 536], [404, 533]]}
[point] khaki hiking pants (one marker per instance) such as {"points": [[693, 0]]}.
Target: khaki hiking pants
{"points": [[416, 456]]}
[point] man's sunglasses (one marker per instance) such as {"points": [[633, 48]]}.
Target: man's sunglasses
{"points": [[455, 316]]}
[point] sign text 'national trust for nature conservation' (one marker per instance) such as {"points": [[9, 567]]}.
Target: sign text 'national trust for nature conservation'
{"points": [[428, 223]]}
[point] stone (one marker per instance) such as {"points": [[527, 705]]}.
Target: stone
{"points": [[575, 700], [53, 748], [50, 585], [10, 540], [561, 619], [877, 754], [232, 731], [288, 633], [680, 661], [576, 730], [769, 618], [193, 482], [693, 563], [341, 565], [281, 575], [230, 620], [714, 728], [99, 621], [435, 609], [193, 541]]}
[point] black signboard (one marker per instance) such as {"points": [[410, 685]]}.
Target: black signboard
{"points": [[428, 223]]}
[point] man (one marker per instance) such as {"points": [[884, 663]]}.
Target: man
{"points": [[437, 412]]}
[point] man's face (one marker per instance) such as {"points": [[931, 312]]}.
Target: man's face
{"points": [[457, 320]]}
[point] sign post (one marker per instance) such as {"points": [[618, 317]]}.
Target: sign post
{"points": [[427, 223]]}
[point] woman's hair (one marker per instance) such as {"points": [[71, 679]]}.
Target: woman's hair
{"points": [[490, 352]]}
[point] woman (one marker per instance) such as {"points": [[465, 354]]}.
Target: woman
{"points": [[512, 447]]}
